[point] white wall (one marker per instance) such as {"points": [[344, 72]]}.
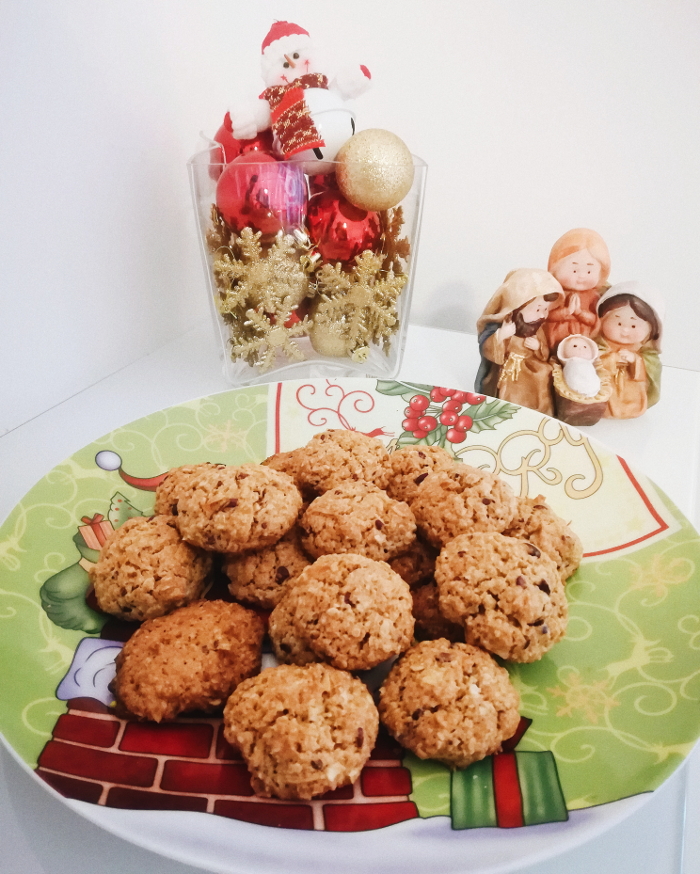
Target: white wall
{"points": [[534, 117]]}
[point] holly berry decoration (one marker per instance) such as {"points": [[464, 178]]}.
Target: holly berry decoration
{"points": [[258, 192], [447, 404], [340, 230]]}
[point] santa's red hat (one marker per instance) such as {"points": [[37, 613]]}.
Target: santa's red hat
{"points": [[282, 38]]}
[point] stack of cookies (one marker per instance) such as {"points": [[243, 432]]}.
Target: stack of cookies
{"points": [[406, 562]]}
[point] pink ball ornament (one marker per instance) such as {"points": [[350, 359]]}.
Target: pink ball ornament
{"points": [[256, 191], [339, 230]]}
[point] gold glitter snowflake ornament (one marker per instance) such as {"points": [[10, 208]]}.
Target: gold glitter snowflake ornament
{"points": [[357, 307]]}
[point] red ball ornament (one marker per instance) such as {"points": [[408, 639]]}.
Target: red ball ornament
{"points": [[321, 182], [232, 147], [339, 230], [256, 191], [262, 142]]}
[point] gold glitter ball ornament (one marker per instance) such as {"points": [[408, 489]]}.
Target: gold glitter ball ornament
{"points": [[374, 169]]}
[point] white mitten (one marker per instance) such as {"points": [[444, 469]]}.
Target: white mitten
{"points": [[249, 117], [352, 81]]}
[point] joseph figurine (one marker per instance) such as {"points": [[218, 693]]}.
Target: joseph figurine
{"points": [[515, 355]]}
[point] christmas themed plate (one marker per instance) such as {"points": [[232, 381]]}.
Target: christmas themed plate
{"points": [[607, 714]]}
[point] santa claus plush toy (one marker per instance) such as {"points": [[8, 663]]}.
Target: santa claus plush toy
{"points": [[309, 118]]}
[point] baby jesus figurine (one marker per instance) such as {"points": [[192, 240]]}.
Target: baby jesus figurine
{"points": [[578, 355]]}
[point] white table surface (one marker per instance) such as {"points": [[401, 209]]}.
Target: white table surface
{"points": [[40, 835]]}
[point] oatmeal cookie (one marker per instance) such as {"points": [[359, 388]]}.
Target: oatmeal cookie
{"points": [[347, 610], [302, 731], [537, 522], [259, 577], [337, 456], [449, 701], [430, 623], [405, 469], [416, 564], [289, 644], [191, 659], [290, 463], [463, 500], [238, 508], [357, 518], [508, 594], [145, 569], [175, 484]]}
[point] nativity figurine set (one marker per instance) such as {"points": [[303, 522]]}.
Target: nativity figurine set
{"points": [[309, 225], [565, 342]]}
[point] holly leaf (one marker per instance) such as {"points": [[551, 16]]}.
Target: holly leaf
{"points": [[437, 437], [488, 415], [407, 439], [401, 389]]}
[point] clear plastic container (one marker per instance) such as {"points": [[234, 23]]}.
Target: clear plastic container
{"points": [[301, 283]]}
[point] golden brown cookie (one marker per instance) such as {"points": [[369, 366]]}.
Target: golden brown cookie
{"points": [[358, 518], [191, 659], [175, 484], [302, 731], [463, 500], [430, 623], [347, 610], [145, 569], [449, 701], [537, 522], [238, 508], [289, 463], [508, 594], [259, 577], [337, 456], [405, 469], [416, 564]]}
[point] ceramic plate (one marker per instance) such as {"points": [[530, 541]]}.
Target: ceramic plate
{"points": [[608, 714]]}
